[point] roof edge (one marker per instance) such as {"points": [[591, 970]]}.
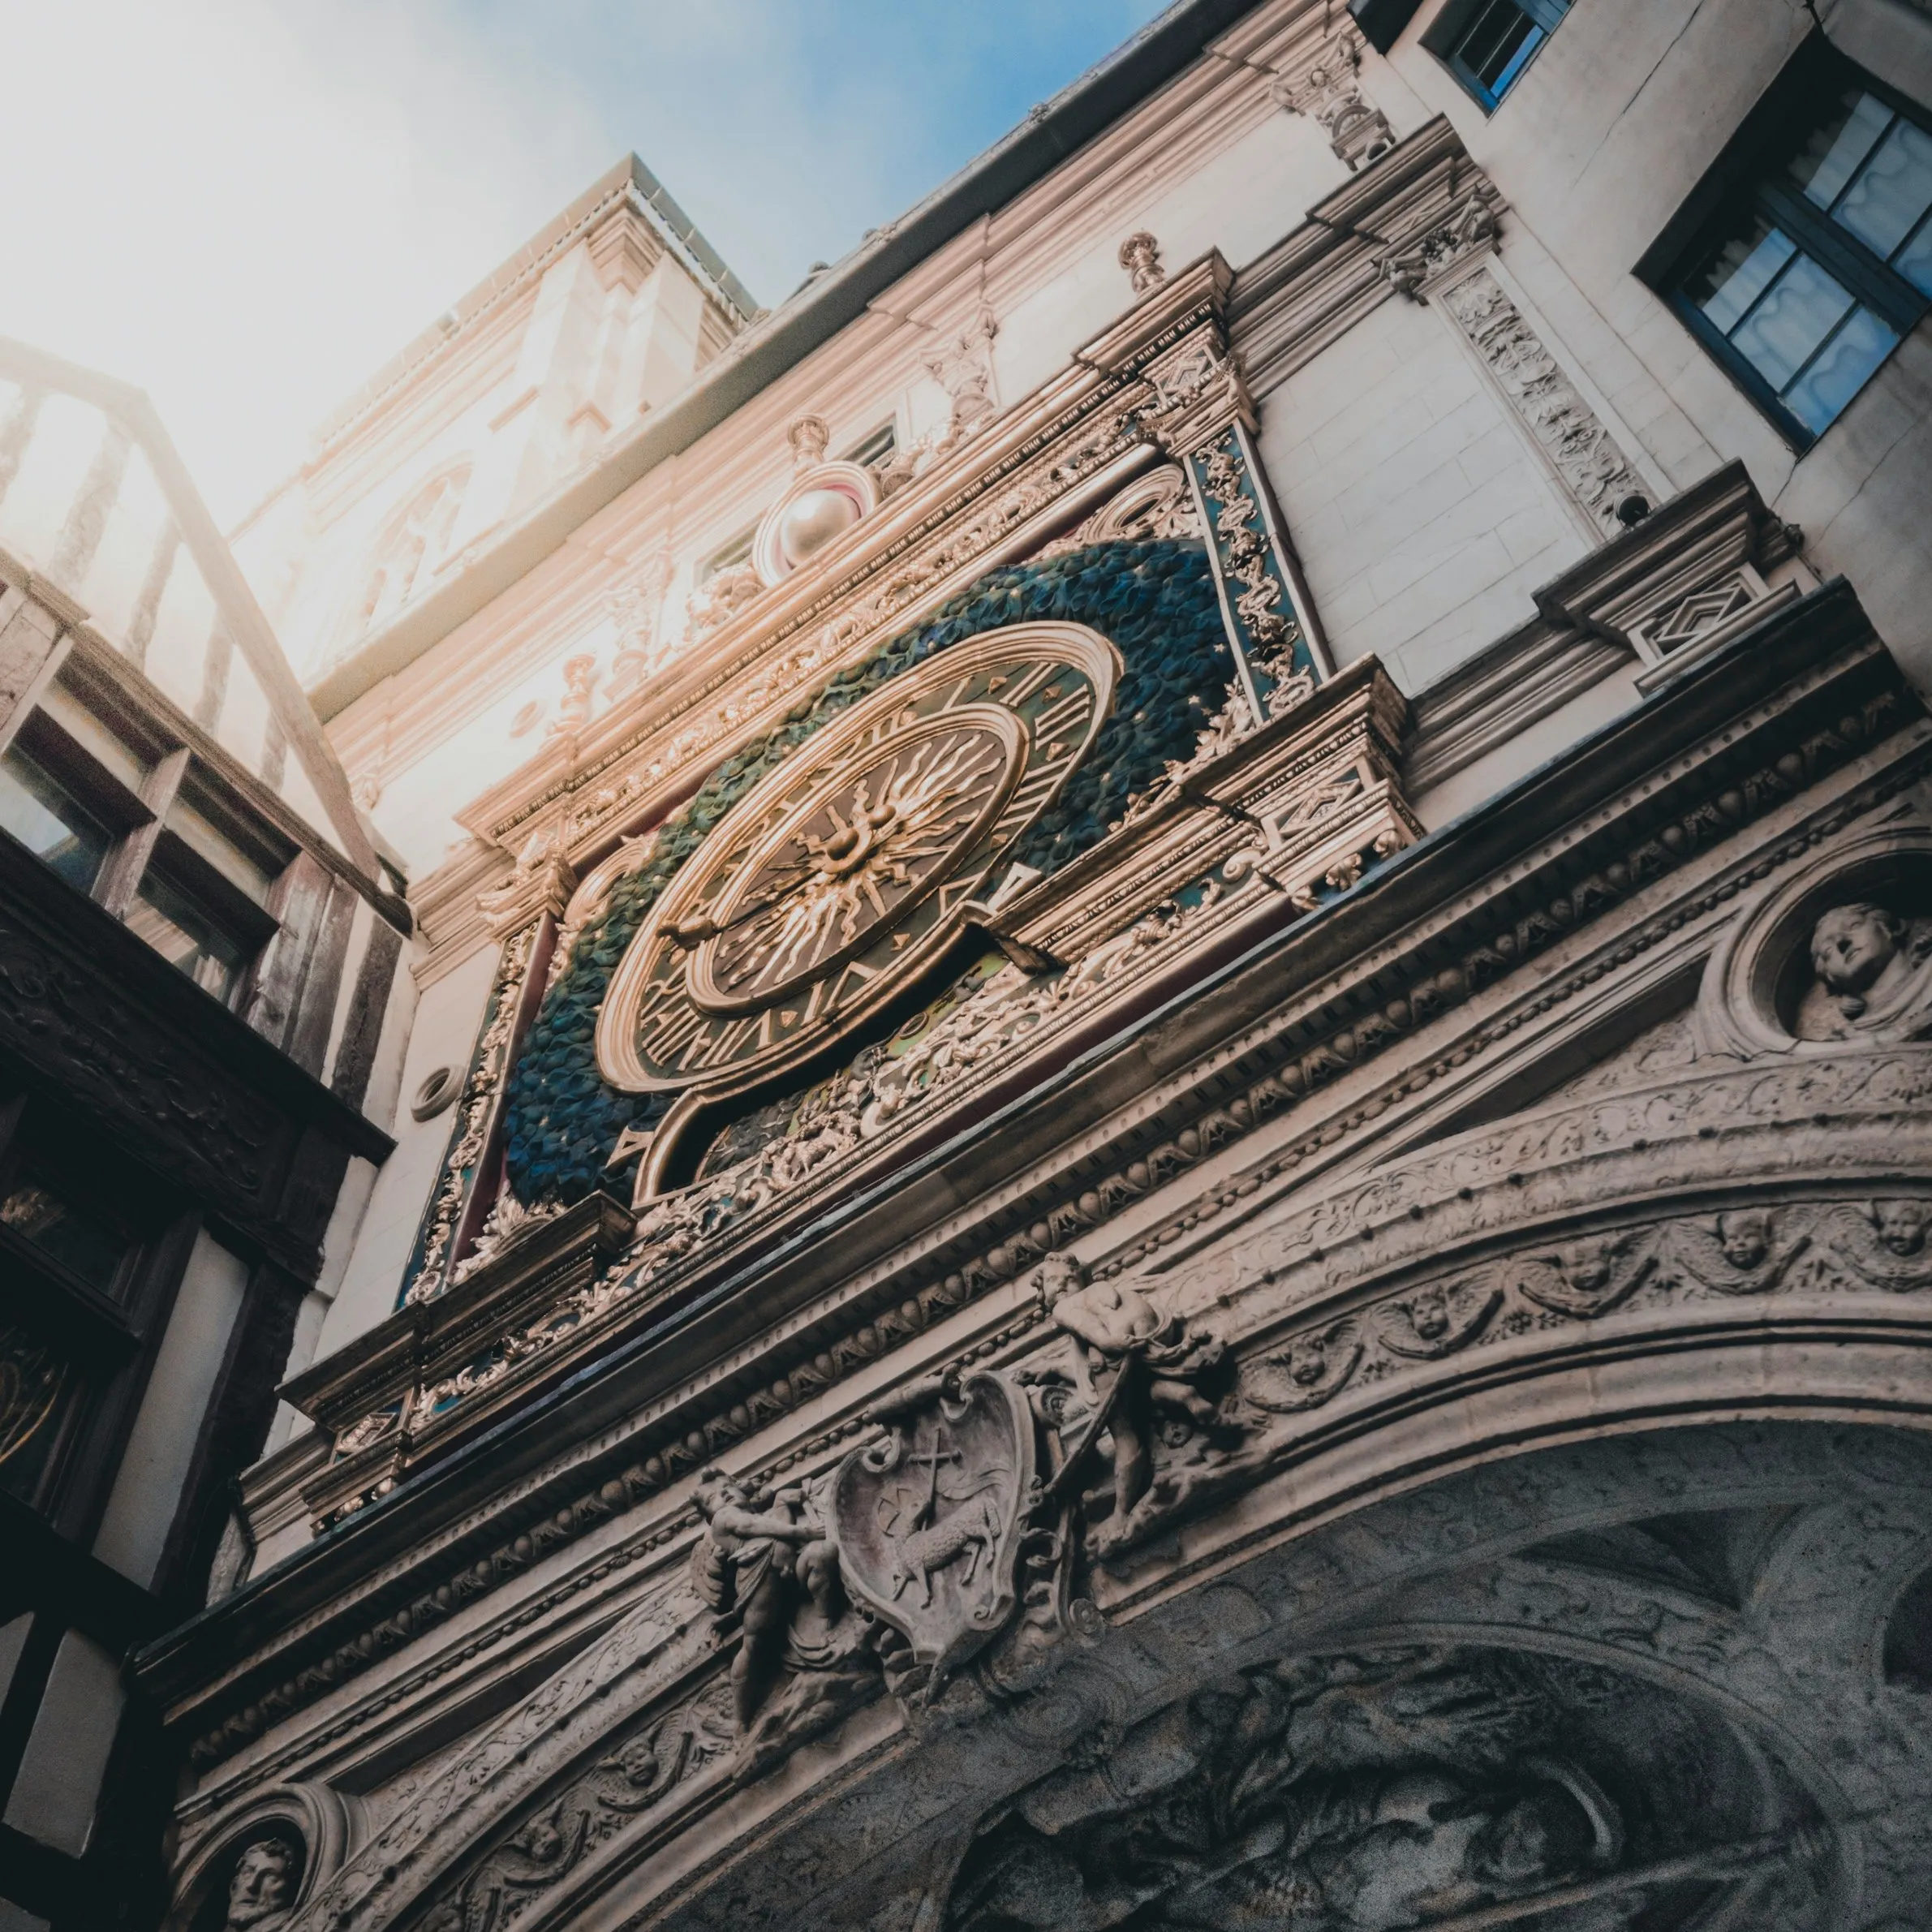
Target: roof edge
{"points": [[1051, 133]]}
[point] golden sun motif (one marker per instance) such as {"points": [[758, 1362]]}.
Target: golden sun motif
{"points": [[856, 858]]}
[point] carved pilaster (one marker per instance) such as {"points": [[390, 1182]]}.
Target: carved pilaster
{"points": [[1202, 412], [471, 1173], [1586, 456], [1327, 88]]}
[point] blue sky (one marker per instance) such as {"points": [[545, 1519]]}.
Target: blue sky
{"points": [[248, 205], [787, 127]]}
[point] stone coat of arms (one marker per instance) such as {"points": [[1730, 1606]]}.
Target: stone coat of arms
{"points": [[930, 1517]]}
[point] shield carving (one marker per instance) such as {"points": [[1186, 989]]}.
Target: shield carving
{"points": [[929, 1518]]}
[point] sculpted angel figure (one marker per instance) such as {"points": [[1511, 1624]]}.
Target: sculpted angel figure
{"points": [[744, 1567], [1138, 1366], [1874, 976]]}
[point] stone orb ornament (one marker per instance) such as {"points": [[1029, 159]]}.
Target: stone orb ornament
{"points": [[821, 503], [812, 520]]}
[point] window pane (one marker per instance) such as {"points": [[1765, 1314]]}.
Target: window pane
{"points": [[80, 1234], [1782, 332], [46, 817], [182, 933], [1840, 370], [1740, 272], [1914, 260], [1892, 191], [1835, 147], [1496, 43]]}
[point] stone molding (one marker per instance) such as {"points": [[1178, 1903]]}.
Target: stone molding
{"points": [[1711, 562], [1325, 84], [1316, 1061], [1569, 437], [1312, 287]]}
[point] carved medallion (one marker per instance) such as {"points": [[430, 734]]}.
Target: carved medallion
{"points": [[848, 872], [930, 1519]]}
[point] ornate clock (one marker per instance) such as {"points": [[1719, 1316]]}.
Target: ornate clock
{"points": [[847, 872]]}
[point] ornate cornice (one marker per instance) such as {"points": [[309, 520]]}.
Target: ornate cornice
{"points": [[1694, 770]]}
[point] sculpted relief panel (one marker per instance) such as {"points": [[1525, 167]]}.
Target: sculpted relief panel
{"points": [[1453, 1788]]}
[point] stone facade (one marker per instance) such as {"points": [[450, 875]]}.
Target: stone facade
{"points": [[1167, 1166]]}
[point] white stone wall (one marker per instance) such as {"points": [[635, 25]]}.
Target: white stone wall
{"points": [[1422, 520]]}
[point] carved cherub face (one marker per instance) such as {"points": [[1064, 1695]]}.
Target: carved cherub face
{"points": [[1310, 1362], [542, 1842], [1902, 1225], [638, 1762], [1059, 1275], [717, 1491], [1852, 945], [1429, 1316], [1589, 1265], [260, 1886], [1744, 1238]]}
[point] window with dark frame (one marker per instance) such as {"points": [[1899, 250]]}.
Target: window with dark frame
{"points": [[1487, 44], [48, 816], [876, 448], [86, 1279], [191, 888], [1806, 256]]}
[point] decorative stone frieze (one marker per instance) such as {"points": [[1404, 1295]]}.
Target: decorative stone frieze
{"points": [[1568, 895], [455, 1213], [1584, 455]]}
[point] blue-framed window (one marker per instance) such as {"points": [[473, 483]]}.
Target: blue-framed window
{"points": [[1812, 258], [1487, 44]]}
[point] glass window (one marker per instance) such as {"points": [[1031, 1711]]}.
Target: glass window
{"points": [[46, 816], [1819, 258], [182, 931], [65, 1223], [1487, 44]]}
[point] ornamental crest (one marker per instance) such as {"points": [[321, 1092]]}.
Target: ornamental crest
{"points": [[850, 870], [930, 1519]]}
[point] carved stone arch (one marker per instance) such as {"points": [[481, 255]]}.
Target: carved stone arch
{"points": [[875, 1845], [317, 1826], [1760, 978]]}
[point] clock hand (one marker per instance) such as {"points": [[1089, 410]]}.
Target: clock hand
{"points": [[694, 932]]}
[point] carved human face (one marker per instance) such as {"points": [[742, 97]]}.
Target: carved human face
{"points": [[1745, 1239], [1590, 1266], [1429, 1316], [542, 1842], [1058, 1274], [1852, 944], [260, 1886], [638, 1761], [1902, 1225]]}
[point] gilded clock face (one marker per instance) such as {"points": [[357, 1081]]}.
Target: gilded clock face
{"points": [[851, 868]]}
